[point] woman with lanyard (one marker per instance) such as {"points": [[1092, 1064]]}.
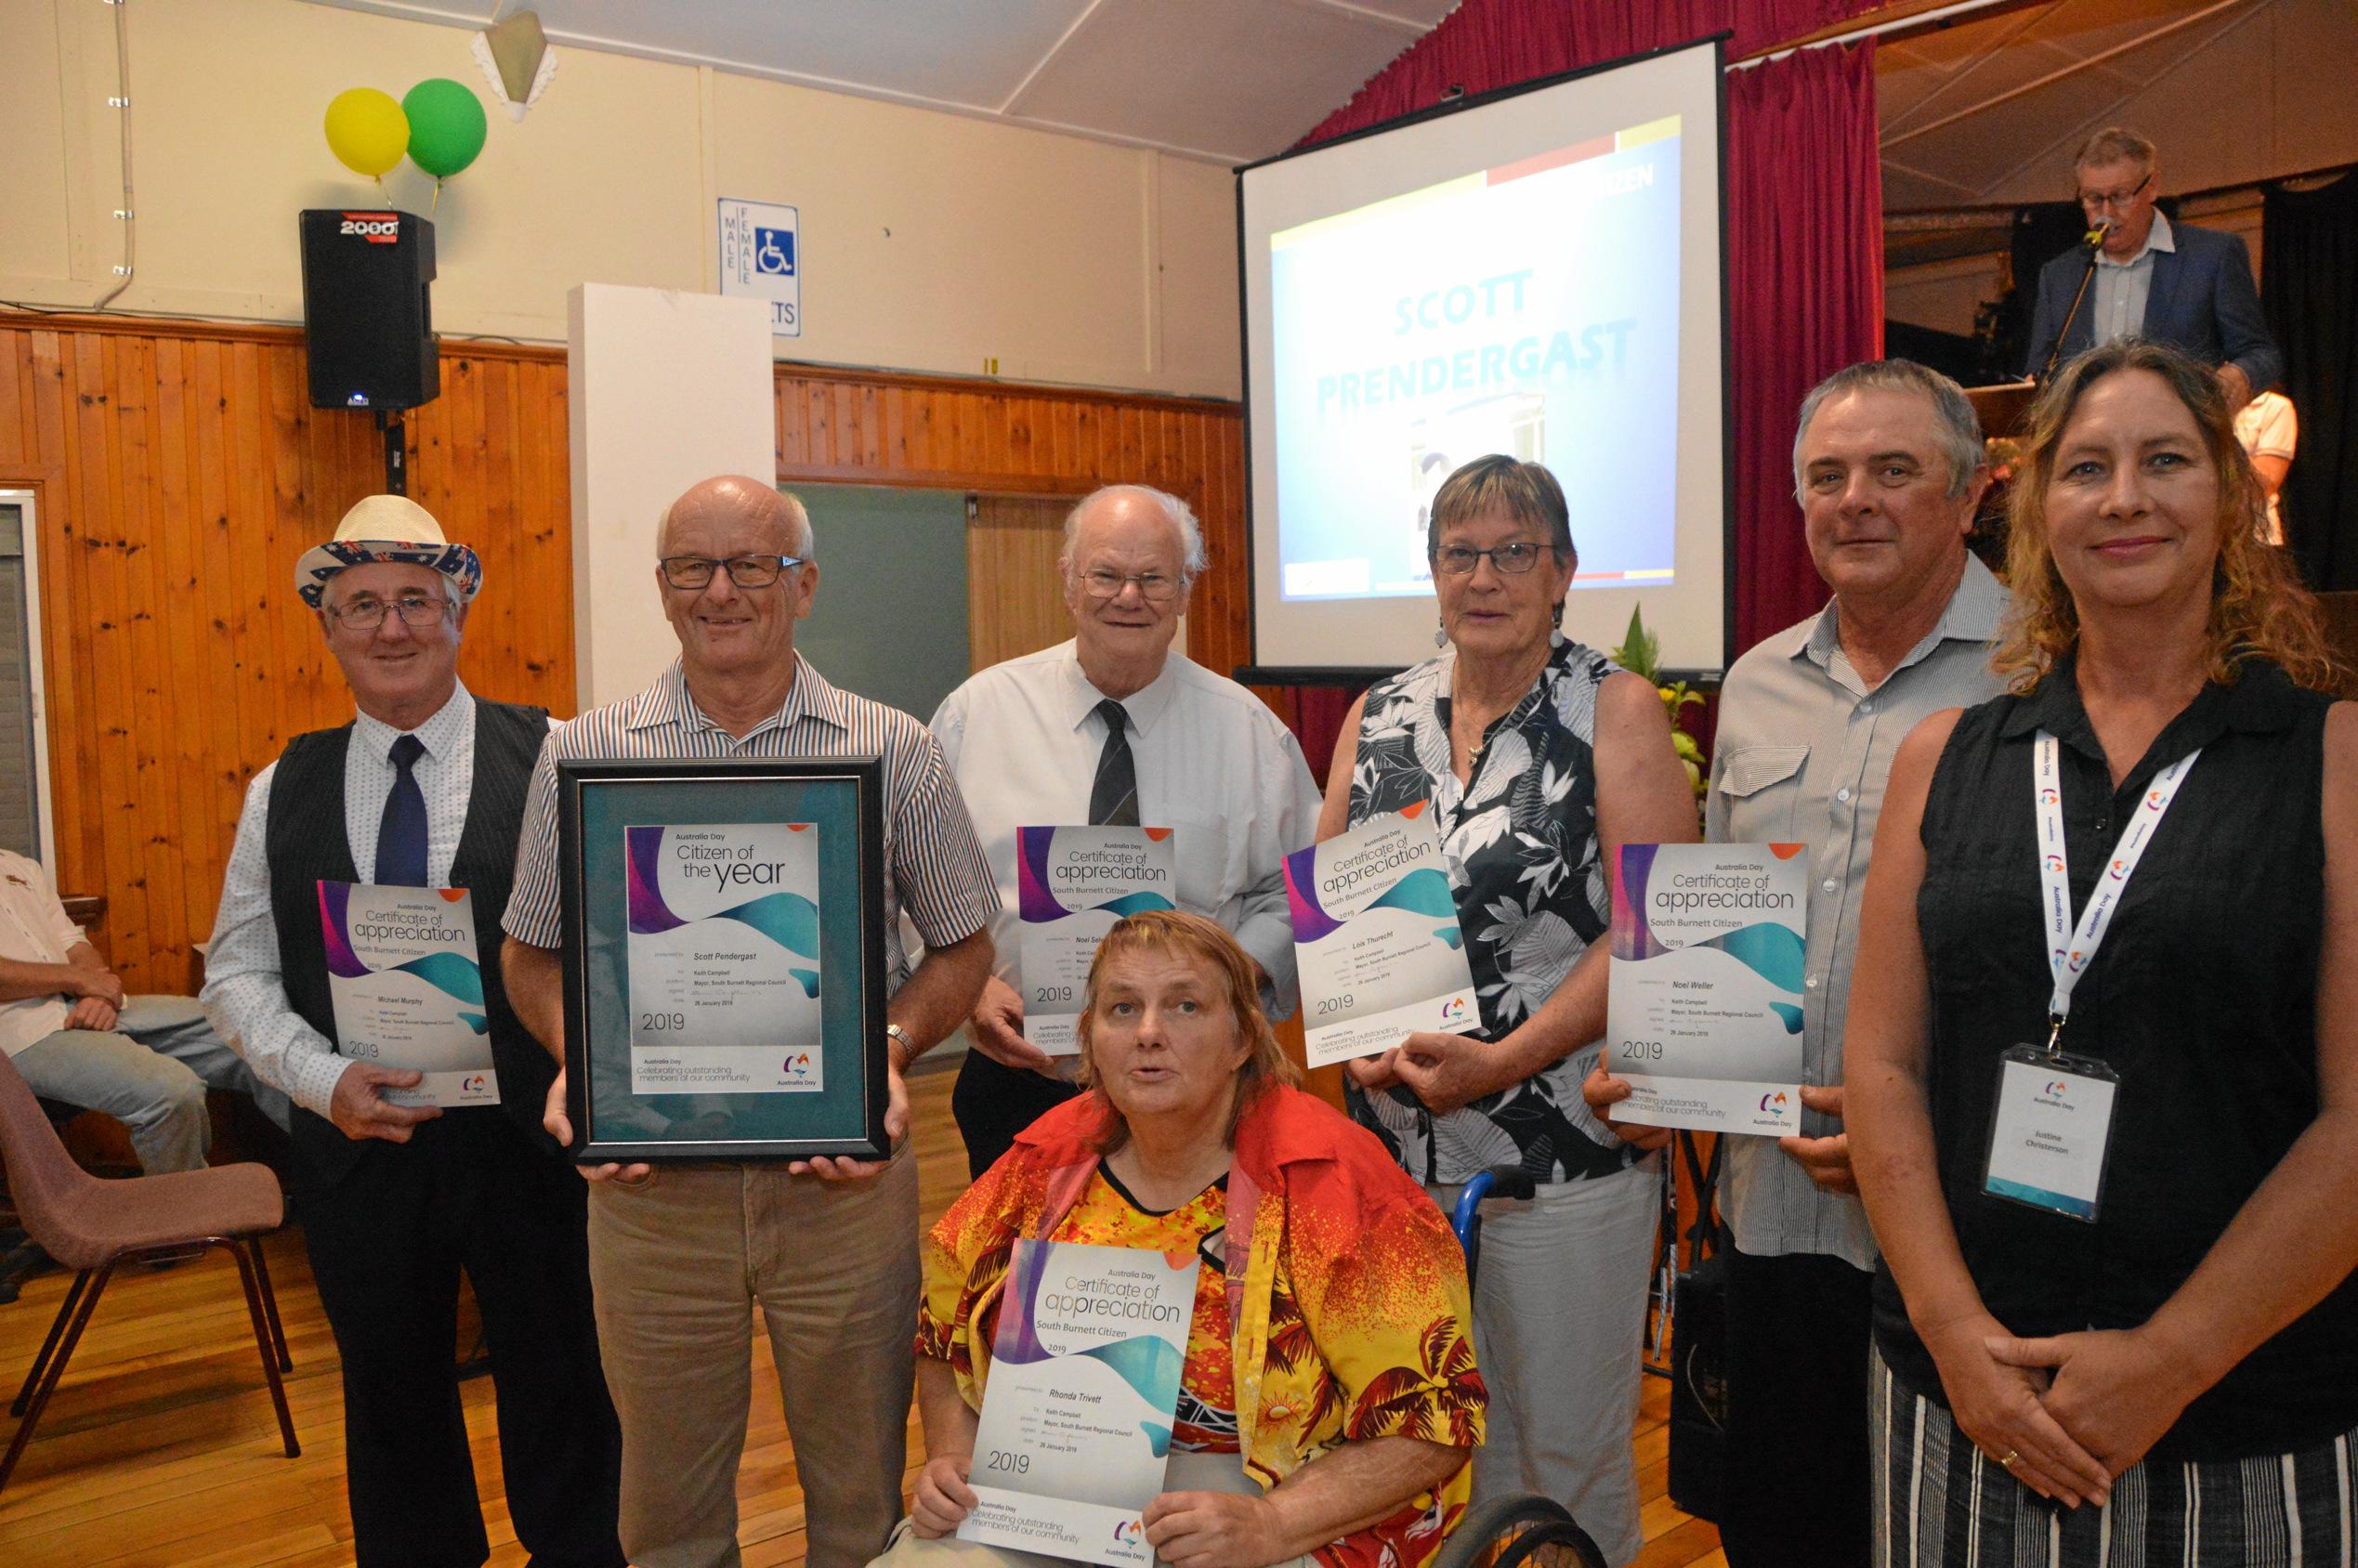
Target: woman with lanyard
{"points": [[1540, 759], [2103, 1051]]}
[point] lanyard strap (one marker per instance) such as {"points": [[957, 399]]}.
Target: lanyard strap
{"points": [[2070, 950]]}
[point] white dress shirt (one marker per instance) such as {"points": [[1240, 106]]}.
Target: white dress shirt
{"points": [[1213, 762], [2122, 287], [244, 993], [33, 929]]}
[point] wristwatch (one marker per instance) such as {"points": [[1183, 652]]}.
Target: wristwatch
{"points": [[899, 1036]]}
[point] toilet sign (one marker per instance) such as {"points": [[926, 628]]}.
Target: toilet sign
{"points": [[761, 254]]}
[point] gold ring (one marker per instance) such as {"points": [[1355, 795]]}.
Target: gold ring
{"points": [[2007, 1462]]}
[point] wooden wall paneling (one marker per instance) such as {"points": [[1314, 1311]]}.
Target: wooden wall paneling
{"points": [[132, 391], [184, 471], [17, 441], [181, 472], [187, 817], [1014, 600]]}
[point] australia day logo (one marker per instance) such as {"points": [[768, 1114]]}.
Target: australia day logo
{"points": [[1128, 1533], [1774, 1104], [795, 1072], [473, 1083], [1453, 1011], [2053, 1094]]}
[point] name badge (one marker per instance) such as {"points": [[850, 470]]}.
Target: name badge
{"points": [[2051, 1131]]}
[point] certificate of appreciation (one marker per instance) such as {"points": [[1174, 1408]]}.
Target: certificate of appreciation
{"points": [[407, 989], [1076, 1411], [1703, 1005], [724, 958], [1073, 885], [1376, 937]]}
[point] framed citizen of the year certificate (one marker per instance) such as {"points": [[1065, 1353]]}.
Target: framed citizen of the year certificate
{"points": [[724, 957], [1703, 998]]}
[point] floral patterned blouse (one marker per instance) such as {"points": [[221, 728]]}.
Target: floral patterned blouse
{"points": [[1340, 1289], [1521, 846]]}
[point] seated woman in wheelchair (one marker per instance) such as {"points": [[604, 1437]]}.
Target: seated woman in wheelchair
{"points": [[1329, 1402]]}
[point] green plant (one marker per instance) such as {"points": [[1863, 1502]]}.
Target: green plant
{"points": [[1640, 653]]}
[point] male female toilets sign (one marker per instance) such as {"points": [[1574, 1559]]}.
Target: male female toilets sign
{"points": [[761, 256]]}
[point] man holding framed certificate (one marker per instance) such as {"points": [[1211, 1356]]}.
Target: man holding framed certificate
{"points": [[1063, 754], [743, 837], [355, 963]]}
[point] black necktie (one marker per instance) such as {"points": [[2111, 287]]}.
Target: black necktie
{"points": [[401, 832], [1113, 800]]}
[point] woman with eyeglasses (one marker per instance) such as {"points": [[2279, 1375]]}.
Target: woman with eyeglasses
{"points": [[1540, 758]]}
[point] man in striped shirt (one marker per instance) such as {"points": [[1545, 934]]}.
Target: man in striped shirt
{"points": [[826, 1249]]}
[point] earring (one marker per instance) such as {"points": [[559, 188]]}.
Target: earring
{"points": [[1440, 635]]}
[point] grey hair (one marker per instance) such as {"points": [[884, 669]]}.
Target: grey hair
{"points": [[800, 542], [2115, 144], [1191, 552], [1960, 429]]}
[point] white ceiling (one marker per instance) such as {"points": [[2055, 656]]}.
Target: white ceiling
{"points": [[1228, 81]]}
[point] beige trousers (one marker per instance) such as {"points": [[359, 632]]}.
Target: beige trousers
{"points": [[679, 1264], [1184, 1472]]}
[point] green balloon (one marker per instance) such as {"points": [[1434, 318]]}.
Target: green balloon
{"points": [[446, 125]]}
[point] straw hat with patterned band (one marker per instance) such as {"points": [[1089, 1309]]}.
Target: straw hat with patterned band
{"points": [[386, 528]]}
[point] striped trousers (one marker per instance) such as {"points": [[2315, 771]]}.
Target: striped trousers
{"points": [[1942, 1503]]}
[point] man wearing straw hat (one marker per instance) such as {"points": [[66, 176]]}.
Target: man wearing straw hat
{"points": [[425, 787]]}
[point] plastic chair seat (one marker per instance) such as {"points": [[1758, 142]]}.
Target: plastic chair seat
{"points": [[90, 1225]]}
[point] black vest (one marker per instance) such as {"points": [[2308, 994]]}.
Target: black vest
{"points": [[306, 842]]}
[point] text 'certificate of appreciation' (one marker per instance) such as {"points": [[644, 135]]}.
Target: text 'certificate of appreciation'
{"points": [[1076, 1411], [1073, 885], [1703, 1006], [407, 991], [724, 958], [1376, 938]]}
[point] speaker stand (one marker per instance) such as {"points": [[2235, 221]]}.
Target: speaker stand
{"points": [[397, 460]]}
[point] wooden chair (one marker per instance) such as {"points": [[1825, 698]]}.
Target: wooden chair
{"points": [[91, 1226]]}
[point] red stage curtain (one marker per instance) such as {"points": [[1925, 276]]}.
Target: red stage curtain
{"points": [[1806, 295], [1488, 44]]}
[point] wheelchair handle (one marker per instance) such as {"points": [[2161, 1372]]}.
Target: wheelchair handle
{"points": [[1500, 1181]]}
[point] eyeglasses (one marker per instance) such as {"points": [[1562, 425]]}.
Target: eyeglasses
{"points": [[1152, 587], [1513, 560], [746, 571], [2115, 200], [418, 611]]}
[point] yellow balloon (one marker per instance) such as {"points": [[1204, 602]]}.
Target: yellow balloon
{"points": [[367, 130]]}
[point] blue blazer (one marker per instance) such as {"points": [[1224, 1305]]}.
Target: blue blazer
{"points": [[2202, 300]]}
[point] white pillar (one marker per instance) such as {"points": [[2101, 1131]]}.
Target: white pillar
{"points": [[666, 388]]}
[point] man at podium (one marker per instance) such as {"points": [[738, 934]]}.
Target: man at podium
{"points": [[2140, 274]]}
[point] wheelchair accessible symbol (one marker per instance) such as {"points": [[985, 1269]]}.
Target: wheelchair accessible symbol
{"points": [[761, 256]]}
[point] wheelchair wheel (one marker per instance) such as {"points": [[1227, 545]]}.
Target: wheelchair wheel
{"points": [[1528, 1531]]}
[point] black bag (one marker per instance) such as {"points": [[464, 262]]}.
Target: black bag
{"points": [[1698, 1348]]}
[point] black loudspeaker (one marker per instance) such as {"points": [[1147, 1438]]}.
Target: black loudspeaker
{"points": [[366, 312]]}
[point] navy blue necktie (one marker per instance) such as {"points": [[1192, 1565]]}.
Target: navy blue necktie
{"points": [[401, 833]]}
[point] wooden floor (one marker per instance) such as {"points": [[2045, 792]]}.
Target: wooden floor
{"points": [[159, 1450]]}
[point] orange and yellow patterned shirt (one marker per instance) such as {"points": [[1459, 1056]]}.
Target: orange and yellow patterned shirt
{"points": [[1339, 1284]]}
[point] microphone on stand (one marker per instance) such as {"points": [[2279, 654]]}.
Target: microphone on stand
{"points": [[2093, 242]]}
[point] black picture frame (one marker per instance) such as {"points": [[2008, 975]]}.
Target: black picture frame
{"points": [[598, 802]]}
